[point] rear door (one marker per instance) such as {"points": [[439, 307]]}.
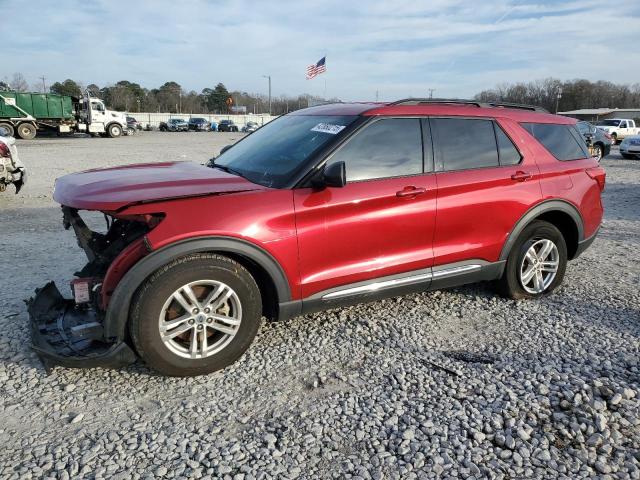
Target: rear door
{"points": [[381, 223], [485, 185]]}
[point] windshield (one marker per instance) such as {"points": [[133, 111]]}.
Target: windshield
{"points": [[273, 153], [609, 123]]}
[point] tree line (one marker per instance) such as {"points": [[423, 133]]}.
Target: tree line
{"points": [[550, 93], [556, 95], [170, 97]]}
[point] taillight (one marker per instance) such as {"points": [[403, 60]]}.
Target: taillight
{"points": [[598, 174], [4, 150]]}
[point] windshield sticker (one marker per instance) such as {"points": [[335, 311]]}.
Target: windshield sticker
{"points": [[328, 128]]}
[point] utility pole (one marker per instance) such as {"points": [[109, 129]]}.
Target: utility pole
{"points": [[558, 97], [269, 77], [431, 90], [44, 85], [377, 95]]}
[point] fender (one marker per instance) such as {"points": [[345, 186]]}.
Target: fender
{"points": [[118, 310], [536, 211]]}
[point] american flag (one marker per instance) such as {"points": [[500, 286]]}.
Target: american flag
{"points": [[316, 69]]}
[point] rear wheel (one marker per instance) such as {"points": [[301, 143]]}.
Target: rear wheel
{"points": [[597, 151], [9, 128], [26, 131], [114, 130], [196, 315], [536, 263]]}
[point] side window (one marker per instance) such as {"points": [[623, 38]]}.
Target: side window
{"points": [[389, 147], [507, 152], [562, 141], [461, 143]]}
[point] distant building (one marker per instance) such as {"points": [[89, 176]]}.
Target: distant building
{"points": [[239, 109], [595, 114]]}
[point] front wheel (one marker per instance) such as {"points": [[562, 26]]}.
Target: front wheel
{"points": [[536, 263], [195, 315], [114, 130]]}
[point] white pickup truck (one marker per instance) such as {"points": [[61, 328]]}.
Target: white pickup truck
{"points": [[618, 128]]}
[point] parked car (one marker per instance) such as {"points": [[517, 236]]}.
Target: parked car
{"points": [[327, 206], [199, 124], [214, 126], [597, 140], [132, 126], [12, 170], [227, 126], [619, 128], [174, 125], [630, 147], [250, 127]]}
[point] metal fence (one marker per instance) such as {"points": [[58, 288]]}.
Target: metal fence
{"points": [[154, 119]]}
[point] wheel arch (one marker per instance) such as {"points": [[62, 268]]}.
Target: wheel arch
{"points": [[269, 275], [563, 215]]}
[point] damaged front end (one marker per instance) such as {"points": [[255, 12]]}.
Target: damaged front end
{"points": [[69, 332]]}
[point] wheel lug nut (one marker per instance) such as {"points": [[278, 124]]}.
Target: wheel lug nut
{"points": [[199, 327], [192, 321], [195, 310], [209, 320], [207, 310]]}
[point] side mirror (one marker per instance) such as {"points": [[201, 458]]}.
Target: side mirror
{"points": [[335, 175]]}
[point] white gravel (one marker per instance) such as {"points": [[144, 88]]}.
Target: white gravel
{"points": [[457, 383]]}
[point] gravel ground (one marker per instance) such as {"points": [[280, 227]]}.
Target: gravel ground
{"points": [[456, 383]]}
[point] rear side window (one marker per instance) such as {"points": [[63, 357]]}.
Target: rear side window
{"points": [[562, 141], [386, 148], [461, 143], [508, 153]]}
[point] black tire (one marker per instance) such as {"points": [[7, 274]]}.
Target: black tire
{"points": [[510, 285], [114, 130], [598, 151], [150, 299], [627, 156], [9, 128], [26, 131]]}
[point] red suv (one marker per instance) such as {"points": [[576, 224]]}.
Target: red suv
{"points": [[332, 205]]}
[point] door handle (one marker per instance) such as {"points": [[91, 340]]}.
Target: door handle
{"points": [[520, 176], [411, 191]]}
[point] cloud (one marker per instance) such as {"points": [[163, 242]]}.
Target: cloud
{"points": [[397, 47]]}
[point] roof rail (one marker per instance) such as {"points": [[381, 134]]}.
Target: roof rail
{"points": [[457, 101]]}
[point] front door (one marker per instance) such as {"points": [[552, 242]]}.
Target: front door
{"points": [[381, 223]]}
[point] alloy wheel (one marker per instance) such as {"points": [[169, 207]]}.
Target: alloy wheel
{"points": [[200, 319], [539, 266]]}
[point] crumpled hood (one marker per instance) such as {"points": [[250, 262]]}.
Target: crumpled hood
{"points": [[111, 189]]}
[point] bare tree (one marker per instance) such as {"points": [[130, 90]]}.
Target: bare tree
{"points": [[18, 83]]}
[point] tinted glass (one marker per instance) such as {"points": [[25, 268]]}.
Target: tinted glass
{"points": [[583, 128], [461, 143], [387, 148], [507, 151], [274, 152], [558, 140]]}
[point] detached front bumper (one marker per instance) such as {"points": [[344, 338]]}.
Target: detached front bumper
{"points": [[71, 336]]}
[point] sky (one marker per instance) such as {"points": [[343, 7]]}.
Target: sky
{"points": [[397, 48]]}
